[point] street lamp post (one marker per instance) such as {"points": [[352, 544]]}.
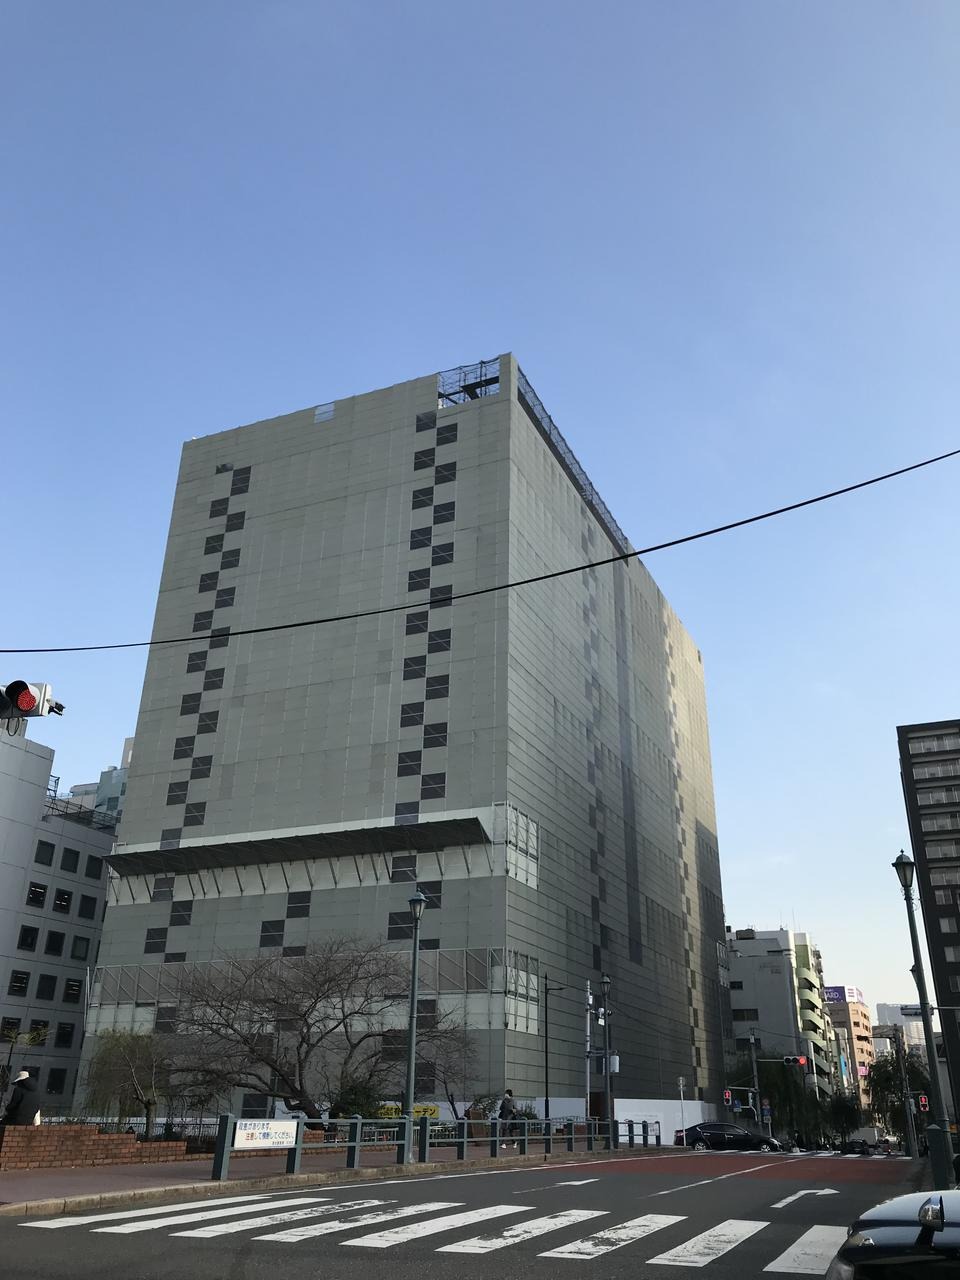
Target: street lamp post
{"points": [[547, 992], [938, 1134], [605, 985], [417, 903]]}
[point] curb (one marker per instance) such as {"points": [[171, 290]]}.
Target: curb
{"points": [[289, 1181]]}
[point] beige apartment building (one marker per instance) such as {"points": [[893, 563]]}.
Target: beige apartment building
{"points": [[849, 1012]]}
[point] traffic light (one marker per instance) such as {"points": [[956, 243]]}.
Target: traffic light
{"points": [[727, 1098], [798, 1060], [924, 1102], [19, 700]]}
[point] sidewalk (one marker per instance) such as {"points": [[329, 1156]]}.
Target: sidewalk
{"points": [[46, 1191]]}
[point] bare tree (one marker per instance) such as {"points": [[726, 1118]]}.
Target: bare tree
{"points": [[129, 1069]]}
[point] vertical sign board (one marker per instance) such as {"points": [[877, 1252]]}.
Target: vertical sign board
{"points": [[254, 1135]]}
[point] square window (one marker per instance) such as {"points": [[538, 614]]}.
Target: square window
{"points": [[44, 854], [174, 957], [72, 991], [298, 904], [408, 764], [445, 473], [271, 933], [54, 943], [437, 687], [46, 986], [166, 1020], [181, 913], [444, 513], [64, 1036], [405, 812], [36, 894], [219, 507], [417, 622], [56, 1081], [429, 944], [208, 581], [241, 484], [70, 860], [426, 421], [87, 908], [447, 433], [155, 942], [294, 951], [9, 1029], [421, 537], [433, 786], [225, 597], [435, 735], [431, 890], [438, 641], [415, 668], [177, 792], [170, 837], [597, 959], [418, 579], [183, 748], [62, 898], [200, 766], [197, 660], [27, 940], [80, 947], [442, 553], [424, 458], [399, 925], [207, 721], [202, 621], [213, 544], [189, 704], [411, 713], [213, 679], [441, 597], [422, 498], [19, 982], [241, 473], [219, 638], [230, 559], [235, 521], [403, 867], [194, 814], [40, 1028]]}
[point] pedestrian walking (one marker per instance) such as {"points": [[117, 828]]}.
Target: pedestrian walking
{"points": [[22, 1107], [508, 1117]]}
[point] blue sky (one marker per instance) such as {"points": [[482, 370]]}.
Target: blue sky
{"points": [[721, 239]]}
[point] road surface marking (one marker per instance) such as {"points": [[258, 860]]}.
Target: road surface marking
{"points": [[782, 1204], [812, 1253], [414, 1230], [270, 1219], [549, 1186], [54, 1223], [582, 1182], [709, 1245], [522, 1231], [614, 1237], [738, 1173], [180, 1219], [364, 1220]]}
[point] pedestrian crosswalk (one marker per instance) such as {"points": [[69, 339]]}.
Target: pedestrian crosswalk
{"points": [[381, 1223]]}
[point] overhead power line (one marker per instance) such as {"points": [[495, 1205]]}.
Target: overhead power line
{"points": [[505, 586]]}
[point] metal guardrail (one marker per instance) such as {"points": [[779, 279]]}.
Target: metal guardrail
{"points": [[413, 1140]]}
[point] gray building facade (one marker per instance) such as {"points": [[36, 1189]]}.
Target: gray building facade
{"points": [[536, 759], [53, 881]]}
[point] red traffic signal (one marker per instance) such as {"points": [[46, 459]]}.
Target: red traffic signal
{"points": [[795, 1060], [924, 1102], [19, 700], [727, 1098]]}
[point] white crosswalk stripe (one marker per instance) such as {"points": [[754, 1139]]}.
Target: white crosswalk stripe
{"points": [[709, 1245], [363, 1220], [274, 1219], [178, 1219], [54, 1223], [615, 1237], [415, 1230], [522, 1231], [811, 1254]]}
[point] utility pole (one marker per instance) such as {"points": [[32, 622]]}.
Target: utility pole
{"points": [[586, 1094], [547, 992], [756, 1082], [911, 1133]]}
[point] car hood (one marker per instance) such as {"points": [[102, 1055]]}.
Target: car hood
{"points": [[902, 1211]]}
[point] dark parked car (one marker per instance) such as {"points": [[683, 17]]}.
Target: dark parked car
{"points": [[854, 1147], [724, 1137], [903, 1238]]}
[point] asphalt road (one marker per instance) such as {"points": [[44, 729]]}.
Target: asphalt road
{"points": [[725, 1217]]}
